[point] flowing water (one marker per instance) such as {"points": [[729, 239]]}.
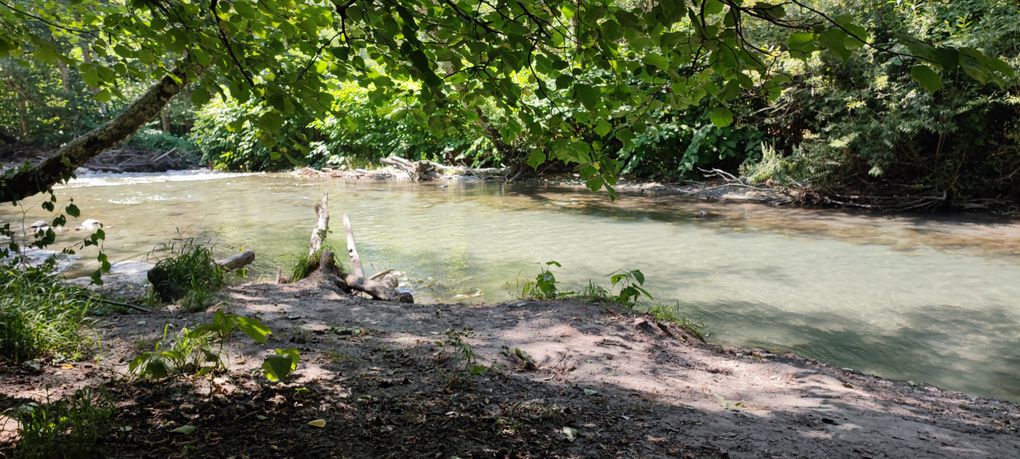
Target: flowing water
{"points": [[925, 299]]}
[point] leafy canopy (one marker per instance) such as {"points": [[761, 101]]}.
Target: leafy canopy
{"points": [[601, 65]]}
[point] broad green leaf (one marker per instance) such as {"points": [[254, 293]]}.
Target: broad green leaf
{"points": [[281, 364], [602, 128], [801, 43], [255, 330], [948, 58], [200, 96], [535, 159], [656, 60], [271, 122], [103, 96], [588, 95], [926, 77], [89, 75], [721, 116]]}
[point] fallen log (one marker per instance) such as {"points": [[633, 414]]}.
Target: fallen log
{"points": [[237, 261]]}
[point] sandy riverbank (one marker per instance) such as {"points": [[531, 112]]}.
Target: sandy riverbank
{"points": [[624, 384]]}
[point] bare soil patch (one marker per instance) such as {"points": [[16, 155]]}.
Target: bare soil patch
{"points": [[622, 386]]}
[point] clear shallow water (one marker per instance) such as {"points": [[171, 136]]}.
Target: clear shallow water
{"points": [[928, 300]]}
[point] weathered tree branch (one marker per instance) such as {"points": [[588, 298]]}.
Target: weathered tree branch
{"points": [[237, 261], [352, 248], [19, 184], [379, 287], [321, 225]]}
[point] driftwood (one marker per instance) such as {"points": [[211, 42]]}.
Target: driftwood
{"points": [[326, 273], [381, 286], [423, 170], [237, 261], [321, 225], [125, 159]]}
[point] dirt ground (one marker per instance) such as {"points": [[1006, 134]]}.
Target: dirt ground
{"points": [[604, 383]]}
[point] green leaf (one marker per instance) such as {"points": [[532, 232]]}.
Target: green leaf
{"points": [[281, 364], [72, 210], [185, 429], [421, 62], [948, 58], [801, 43], [721, 117], [656, 60], [255, 330], [200, 95], [90, 75], [103, 96], [271, 122], [926, 77], [602, 128], [588, 94], [536, 158]]}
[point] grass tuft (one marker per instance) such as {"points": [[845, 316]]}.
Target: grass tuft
{"points": [[671, 313], [188, 273], [306, 264], [70, 428], [40, 317]]}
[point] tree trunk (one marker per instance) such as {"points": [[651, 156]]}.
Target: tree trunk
{"points": [[61, 166], [164, 121], [65, 76]]}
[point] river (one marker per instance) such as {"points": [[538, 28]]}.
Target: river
{"points": [[927, 299]]}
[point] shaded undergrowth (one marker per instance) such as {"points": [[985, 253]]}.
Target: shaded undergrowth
{"points": [[41, 317]]}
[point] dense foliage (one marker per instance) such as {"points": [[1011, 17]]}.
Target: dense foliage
{"points": [[827, 94]]}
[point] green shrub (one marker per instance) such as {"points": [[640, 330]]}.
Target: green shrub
{"points": [[544, 287], [198, 351], [40, 317], [306, 264], [157, 140], [189, 273], [864, 127], [69, 428]]}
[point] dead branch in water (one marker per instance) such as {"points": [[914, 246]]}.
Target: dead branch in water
{"points": [[381, 286]]}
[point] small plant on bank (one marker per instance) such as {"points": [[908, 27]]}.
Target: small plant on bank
{"points": [[198, 351], [278, 366], [189, 273], [671, 313], [631, 285], [544, 287], [593, 292], [455, 340], [70, 428], [39, 316]]}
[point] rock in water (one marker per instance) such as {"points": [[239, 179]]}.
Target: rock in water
{"points": [[90, 225]]}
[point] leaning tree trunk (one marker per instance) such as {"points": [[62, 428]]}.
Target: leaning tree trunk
{"points": [[61, 165]]}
